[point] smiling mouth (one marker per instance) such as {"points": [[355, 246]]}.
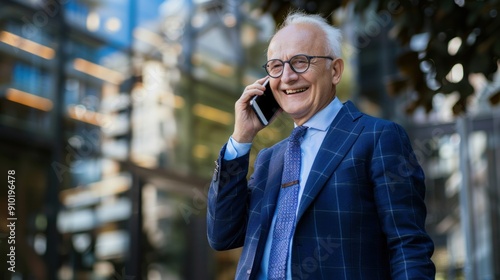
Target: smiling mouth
{"points": [[294, 91]]}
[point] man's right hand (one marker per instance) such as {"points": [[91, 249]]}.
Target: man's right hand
{"points": [[247, 124]]}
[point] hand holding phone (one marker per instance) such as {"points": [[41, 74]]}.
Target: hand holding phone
{"points": [[265, 106]]}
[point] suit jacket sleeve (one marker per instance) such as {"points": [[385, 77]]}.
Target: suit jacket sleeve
{"points": [[228, 203], [399, 194]]}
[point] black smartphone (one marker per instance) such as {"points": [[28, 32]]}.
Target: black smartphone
{"points": [[265, 106]]}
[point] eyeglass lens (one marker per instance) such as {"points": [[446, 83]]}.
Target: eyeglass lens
{"points": [[299, 64]]}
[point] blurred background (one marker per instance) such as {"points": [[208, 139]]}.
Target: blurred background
{"points": [[113, 111]]}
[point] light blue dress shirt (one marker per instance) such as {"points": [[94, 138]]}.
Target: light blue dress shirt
{"points": [[315, 134]]}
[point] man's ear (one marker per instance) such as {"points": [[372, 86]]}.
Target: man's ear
{"points": [[337, 70]]}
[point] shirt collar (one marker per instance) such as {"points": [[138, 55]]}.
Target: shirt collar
{"points": [[322, 119]]}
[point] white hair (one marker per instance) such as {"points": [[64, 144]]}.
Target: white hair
{"points": [[333, 34]]}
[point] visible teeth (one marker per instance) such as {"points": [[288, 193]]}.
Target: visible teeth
{"points": [[292, 91]]}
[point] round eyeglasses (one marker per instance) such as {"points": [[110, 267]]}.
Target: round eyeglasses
{"points": [[299, 64]]}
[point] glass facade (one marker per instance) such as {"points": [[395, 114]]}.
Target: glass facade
{"points": [[111, 114]]}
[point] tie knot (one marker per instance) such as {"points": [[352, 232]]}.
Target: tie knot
{"points": [[297, 133]]}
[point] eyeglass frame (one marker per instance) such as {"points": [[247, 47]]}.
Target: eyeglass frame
{"points": [[309, 57]]}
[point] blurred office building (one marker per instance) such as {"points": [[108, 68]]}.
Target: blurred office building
{"points": [[112, 113]]}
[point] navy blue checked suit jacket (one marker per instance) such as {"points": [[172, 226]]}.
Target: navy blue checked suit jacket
{"points": [[361, 216]]}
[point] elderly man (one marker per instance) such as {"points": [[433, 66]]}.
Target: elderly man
{"points": [[341, 198]]}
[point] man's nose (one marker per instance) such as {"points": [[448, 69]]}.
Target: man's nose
{"points": [[288, 73]]}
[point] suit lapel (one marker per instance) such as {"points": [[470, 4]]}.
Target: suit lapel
{"points": [[342, 134]]}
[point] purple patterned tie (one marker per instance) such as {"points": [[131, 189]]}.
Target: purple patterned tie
{"points": [[287, 207]]}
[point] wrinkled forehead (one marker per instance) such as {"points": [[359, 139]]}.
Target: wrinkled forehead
{"points": [[296, 39]]}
